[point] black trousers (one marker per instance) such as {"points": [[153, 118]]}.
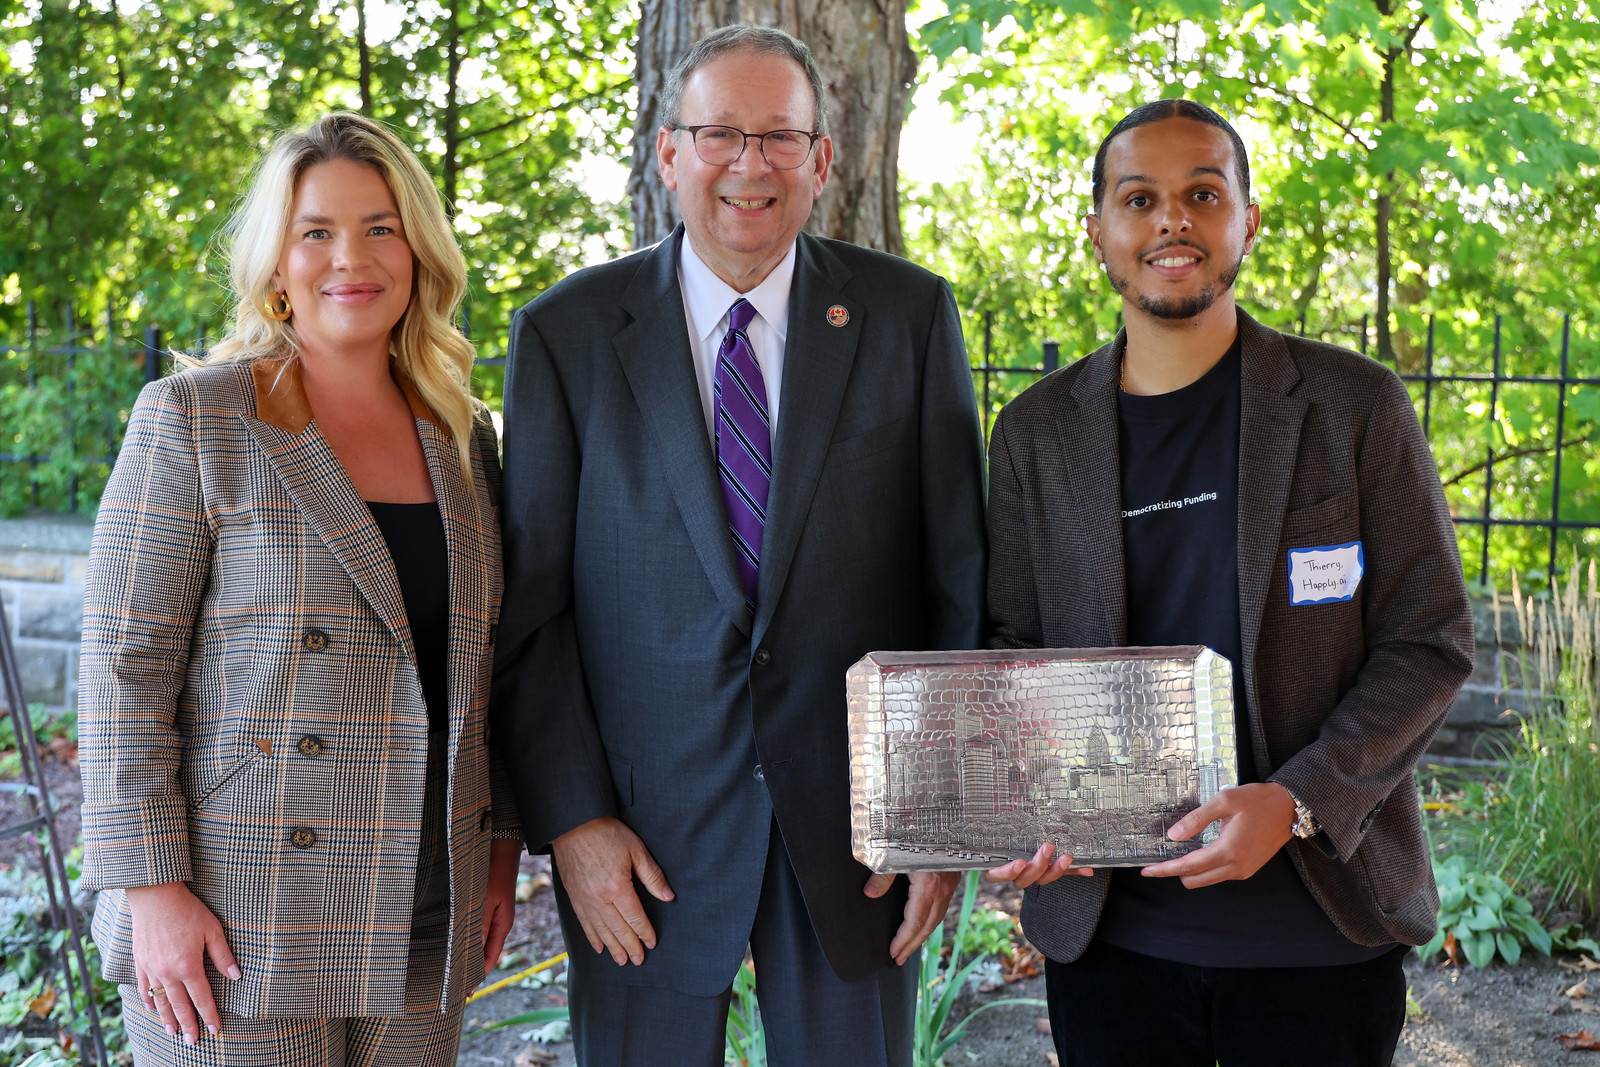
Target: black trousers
{"points": [[1113, 1007]]}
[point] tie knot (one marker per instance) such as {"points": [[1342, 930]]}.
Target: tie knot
{"points": [[740, 314]]}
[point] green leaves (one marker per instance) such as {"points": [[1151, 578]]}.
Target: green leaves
{"points": [[1480, 915]]}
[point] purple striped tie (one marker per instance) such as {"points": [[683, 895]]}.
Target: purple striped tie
{"points": [[744, 444]]}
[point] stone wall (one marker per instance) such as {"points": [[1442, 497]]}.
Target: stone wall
{"points": [[41, 579], [41, 585], [1486, 710]]}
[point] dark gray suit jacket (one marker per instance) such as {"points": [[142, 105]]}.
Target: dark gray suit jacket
{"points": [[630, 680], [1345, 696]]}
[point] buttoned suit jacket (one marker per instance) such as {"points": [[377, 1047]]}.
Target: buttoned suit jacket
{"points": [[251, 716], [1344, 696], [630, 680]]}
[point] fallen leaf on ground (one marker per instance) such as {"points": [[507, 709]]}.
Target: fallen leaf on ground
{"points": [[1052, 1059], [1587, 1009], [1026, 962], [1582, 1041], [1042, 1025], [989, 985], [1452, 949], [526, 887], [41, 1004], [64, 749], [1584, 964], [1579, 990], [533, 1056]]}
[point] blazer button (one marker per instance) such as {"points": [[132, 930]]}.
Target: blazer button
{"points": [[314, 640], [763, 657], [760, 774], [483, 821], [302, 837], [309, 745]]}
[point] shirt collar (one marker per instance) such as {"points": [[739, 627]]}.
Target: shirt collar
{"points": [[708, 297]]}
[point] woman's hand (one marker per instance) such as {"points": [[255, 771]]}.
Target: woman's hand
{"points": [[172, 932], [500, 899]]}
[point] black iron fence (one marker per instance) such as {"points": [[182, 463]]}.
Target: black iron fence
{"points": [[1529, 481]]}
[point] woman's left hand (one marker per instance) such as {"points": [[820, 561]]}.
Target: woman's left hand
{"points": [[499, 900]]}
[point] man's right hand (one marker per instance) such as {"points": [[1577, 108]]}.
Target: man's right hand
{"points": [[597, 863]]}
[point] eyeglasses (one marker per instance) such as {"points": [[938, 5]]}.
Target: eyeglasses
{"points": [[720, 146]]}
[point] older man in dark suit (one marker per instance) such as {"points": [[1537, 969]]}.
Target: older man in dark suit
{"points": [[1205, 480], [735, 463]]}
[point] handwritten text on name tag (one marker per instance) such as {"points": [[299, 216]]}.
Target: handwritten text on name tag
{"points": [[1324, 575]]}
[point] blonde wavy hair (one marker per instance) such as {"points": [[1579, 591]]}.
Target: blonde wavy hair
{"points": [[425, 345]]}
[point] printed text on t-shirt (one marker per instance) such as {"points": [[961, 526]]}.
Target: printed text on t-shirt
{"points": [[1168, 505]]}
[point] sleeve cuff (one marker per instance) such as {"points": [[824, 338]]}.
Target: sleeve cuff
{"points": [[138, 844]]}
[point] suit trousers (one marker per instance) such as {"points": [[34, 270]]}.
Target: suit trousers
{"points": [[811, 1016], [1113, 1007], [422, 1037]]}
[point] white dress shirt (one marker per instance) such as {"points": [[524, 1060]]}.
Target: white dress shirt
{"points": [[707, 299]]}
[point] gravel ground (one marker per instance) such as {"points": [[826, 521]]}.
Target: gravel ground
{"points": [[1464, 1017]]}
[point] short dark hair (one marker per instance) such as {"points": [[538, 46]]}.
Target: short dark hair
{"points": [[762, 40], [1158, 111]]}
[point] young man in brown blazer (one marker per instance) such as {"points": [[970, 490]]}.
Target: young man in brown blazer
{"points": [[1205, 480]]}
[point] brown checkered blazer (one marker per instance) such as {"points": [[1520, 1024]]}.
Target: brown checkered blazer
{"points": [[1346, 695], [251, 717]]}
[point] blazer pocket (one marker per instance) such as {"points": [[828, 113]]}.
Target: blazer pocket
{"points": [[867, 443], [226, 779], [1340, 512]]}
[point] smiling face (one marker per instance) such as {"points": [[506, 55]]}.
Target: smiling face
{"points": [[345, 262], [1174, 225], [742, 218]]}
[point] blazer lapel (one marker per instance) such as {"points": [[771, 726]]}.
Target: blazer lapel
{"points": [[1269, 437], [312, 476], [816, 365], [659, 364], [1088, 439]]}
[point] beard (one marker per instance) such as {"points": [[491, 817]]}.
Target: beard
{"points": [[1173, 308]]}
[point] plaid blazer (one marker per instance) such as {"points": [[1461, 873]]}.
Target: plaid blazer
{"points": [[251, 717], [1345, 696]]}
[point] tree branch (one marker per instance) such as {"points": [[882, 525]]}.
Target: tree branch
{"points": [[1294, 98], [1514, 454]]}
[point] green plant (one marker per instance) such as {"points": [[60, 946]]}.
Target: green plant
{"points": [[36, 1014], [989, 932], [1541, 823], [941, 982], [1482, 915], [747, 1038]]}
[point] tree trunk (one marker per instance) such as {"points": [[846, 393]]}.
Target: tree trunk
{"points": [[868, 68], [365, 54], [664, 35], [450, 162], [1385, 213]]}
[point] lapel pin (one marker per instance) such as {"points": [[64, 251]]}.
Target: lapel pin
{"points": [[838, 315]]}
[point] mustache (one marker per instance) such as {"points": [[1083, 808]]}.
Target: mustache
{"points": [[1190, 245]]}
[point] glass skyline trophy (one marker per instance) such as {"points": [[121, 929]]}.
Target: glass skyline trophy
{"points": [[967, 760]]}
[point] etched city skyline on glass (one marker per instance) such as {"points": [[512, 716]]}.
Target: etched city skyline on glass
{"points": [[966, 760]]}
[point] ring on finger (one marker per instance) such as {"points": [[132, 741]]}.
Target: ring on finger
{"points": [[157, 991]]}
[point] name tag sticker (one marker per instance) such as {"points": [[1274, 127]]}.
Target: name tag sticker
{"points": [[1325, 575]]}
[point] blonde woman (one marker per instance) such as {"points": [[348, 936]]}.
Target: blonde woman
{"points": [[305, 851]]}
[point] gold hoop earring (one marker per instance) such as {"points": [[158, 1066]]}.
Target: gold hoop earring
{"points": [[277, 306]]}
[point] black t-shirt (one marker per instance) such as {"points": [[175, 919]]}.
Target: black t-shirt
{"points": [[415, 533], [1179, 456]]}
